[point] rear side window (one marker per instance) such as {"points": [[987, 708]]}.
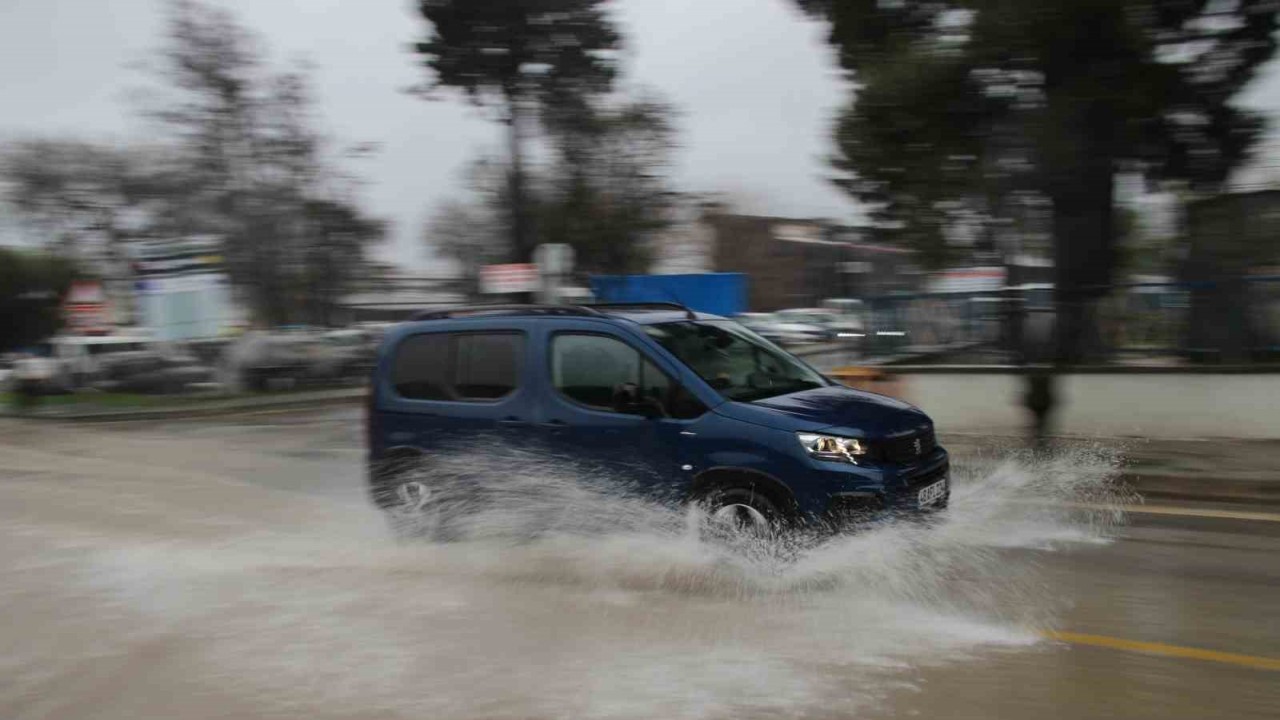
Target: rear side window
{"points": [[486, 366], [458, 366], [421, 367]]}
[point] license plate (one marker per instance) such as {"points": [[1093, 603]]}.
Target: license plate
{"points": [[932, 493]]}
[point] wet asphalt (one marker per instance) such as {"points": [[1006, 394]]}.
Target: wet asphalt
{"points": [[1173, 614]]}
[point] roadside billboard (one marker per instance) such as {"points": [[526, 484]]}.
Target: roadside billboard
{"points": [[510, 278]]}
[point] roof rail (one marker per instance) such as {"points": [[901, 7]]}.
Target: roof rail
{"points": [[498, 310], [657, 305]]}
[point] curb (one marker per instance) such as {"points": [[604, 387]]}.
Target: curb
{"points": [[210, 409], [906, 368], [1207, 489]]}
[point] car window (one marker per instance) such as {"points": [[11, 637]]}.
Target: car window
{"points": [[655, 386], [420, 368], [591, 369], [458, 366], [486, 366], [595, 370], [736, 362]]}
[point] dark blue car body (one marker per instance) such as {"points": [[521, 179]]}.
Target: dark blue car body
{"points": [[727, 442]]}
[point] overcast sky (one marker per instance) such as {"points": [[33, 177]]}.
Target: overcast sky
{"points": [[753, 82], [752, 79]]}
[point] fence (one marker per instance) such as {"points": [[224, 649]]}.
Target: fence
{"points": [[1230, 321]]}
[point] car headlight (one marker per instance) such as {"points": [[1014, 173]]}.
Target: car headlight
{"points": [[830, 447]]}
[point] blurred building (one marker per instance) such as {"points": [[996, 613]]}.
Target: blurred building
{"points": [[388, 293], [687, 246], [181, 290], [802, 262]]}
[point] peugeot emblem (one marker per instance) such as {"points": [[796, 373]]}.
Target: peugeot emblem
{"points": [[919, 446]]}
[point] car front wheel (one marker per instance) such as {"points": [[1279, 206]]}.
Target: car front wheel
{"points": [[740, 513]]}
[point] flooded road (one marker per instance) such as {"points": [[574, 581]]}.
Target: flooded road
{"points": [[235, 569]]}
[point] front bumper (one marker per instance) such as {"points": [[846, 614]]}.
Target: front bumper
{"points": [[897, 492]]}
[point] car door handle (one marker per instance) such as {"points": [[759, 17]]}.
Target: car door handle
{"points": [[554, 424], [513, 422]]}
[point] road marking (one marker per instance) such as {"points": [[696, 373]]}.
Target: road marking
{"points": [[1178, 651], [1227, 514], [1183, 512]]}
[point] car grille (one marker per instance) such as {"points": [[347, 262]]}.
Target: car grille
{"points": [[909, 448], [928, 477]]}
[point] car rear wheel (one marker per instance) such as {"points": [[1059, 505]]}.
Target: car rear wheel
{"points": [[408, 507], [399, 487], [412, 496]]}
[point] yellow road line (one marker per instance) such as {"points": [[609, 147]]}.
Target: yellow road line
{"points": [[1178, 651]]}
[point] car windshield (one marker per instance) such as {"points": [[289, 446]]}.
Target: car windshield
{"points": [[735, 361]]}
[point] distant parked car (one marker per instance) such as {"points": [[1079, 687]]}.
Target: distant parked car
{"points": [[771, 327], [831, 323], [757, 322], [353, 350], [79, 359], [787, 330], [790, 333], [157, 370], [262, 360], [208, 350], [6, 369]]}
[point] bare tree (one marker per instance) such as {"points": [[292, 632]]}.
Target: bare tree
{"points": [[469, 230], [607, 193], [257, 172], [521, 56], [79, 198]]}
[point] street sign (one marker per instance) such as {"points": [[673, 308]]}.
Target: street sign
{"points": [[85, 309], [554, 258], [555, 262], [510, 278]]}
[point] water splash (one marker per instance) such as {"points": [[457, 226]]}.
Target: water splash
{"points": [[557, 596]]}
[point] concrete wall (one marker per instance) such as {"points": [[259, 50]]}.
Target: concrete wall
{"points": [[1164, 405]]}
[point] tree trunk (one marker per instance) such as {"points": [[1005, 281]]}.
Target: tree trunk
{"points": [[1082, 185], [521, 233]]}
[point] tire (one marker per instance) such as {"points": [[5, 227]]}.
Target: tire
{"points": [[742, 520], [406, 505], [400, 488], [744, 508]]}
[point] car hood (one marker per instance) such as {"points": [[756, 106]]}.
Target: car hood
{"points": [[836, 409]]}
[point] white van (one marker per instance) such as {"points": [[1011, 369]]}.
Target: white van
{"points": [[79, 357]]}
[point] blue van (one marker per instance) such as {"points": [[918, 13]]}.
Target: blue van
{"points": [[710, 411]]}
